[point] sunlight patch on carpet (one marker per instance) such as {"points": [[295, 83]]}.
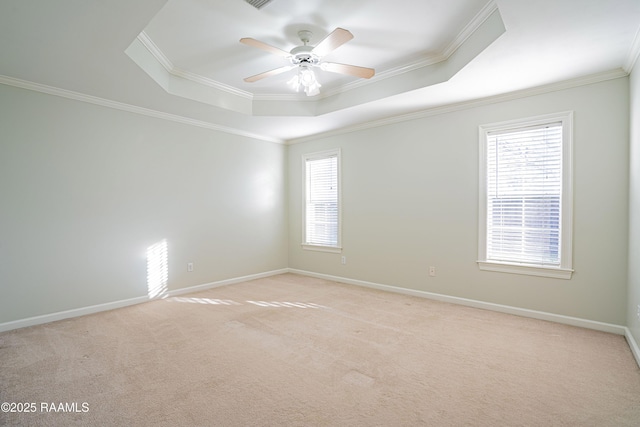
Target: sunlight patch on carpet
{"points": [[210, 301], [285, 304], [276, 304]]}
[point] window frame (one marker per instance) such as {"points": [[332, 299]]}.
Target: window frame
{"points": [[317, 156], [565, 270]]}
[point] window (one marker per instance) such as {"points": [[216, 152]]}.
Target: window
{"points": [[526, 196], [322, 201]]}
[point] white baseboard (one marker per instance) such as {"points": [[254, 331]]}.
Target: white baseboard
{"points": [[76, 312], [226, 282], [574, 321], [558, 318], [633, 345], [82, 311]]}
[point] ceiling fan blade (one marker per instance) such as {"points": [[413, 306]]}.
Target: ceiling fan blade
{"points": [[261, 45], [351, 70], [268, 74], [337, 38]]}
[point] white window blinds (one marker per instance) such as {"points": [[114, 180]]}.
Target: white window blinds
{"points": [[322, 200], [524, 195]]}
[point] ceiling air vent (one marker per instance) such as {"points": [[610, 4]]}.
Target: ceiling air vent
{"points": [[258, 4]]}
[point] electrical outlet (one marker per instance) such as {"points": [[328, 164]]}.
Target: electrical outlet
{"points": [[190, 267], [638, 312], [344, 260], [432, 271]]}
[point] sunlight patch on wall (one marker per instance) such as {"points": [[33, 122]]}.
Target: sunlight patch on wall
{"points": [[157, 270]]}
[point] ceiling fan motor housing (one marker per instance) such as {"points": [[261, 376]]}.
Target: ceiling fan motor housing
{"points": [[302, 55]]}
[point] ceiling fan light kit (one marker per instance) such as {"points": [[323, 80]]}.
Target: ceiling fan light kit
{"points": [[306, 79], [306, 57]]}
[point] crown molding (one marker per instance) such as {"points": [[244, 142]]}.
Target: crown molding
{"points": [[155, 51], [77, 96], [539, 90], [470, 28], [166, 63], [197, 78], [634, 53], [449, 108]]}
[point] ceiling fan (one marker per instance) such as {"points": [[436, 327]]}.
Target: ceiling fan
{"points": [[306, 57]]}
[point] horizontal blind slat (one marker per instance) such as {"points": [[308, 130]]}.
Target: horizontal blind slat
{"points": [[524, 186]]}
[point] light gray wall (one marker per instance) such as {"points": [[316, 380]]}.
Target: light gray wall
{"points": [[410, 200], [633, 323], [84, 190]]}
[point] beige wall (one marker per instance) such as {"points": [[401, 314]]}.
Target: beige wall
{"points": [[410, 200], [634, 208], [84, 190]]}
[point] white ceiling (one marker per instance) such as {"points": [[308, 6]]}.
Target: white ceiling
{"points": [[182, 59], [202, 36]]}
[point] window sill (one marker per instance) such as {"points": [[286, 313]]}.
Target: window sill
{"points": [[331, 249], [530, 270]]}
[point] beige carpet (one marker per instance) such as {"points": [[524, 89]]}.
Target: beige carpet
{"points": [[297, 351]]}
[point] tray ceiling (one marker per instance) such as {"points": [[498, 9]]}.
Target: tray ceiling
{"points": [[181, 59]]}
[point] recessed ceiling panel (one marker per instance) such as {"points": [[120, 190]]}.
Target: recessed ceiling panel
{"points": [[202, 37], [247, 61]]}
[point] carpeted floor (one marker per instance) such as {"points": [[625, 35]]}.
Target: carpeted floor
{"points": [[291, 350]]}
